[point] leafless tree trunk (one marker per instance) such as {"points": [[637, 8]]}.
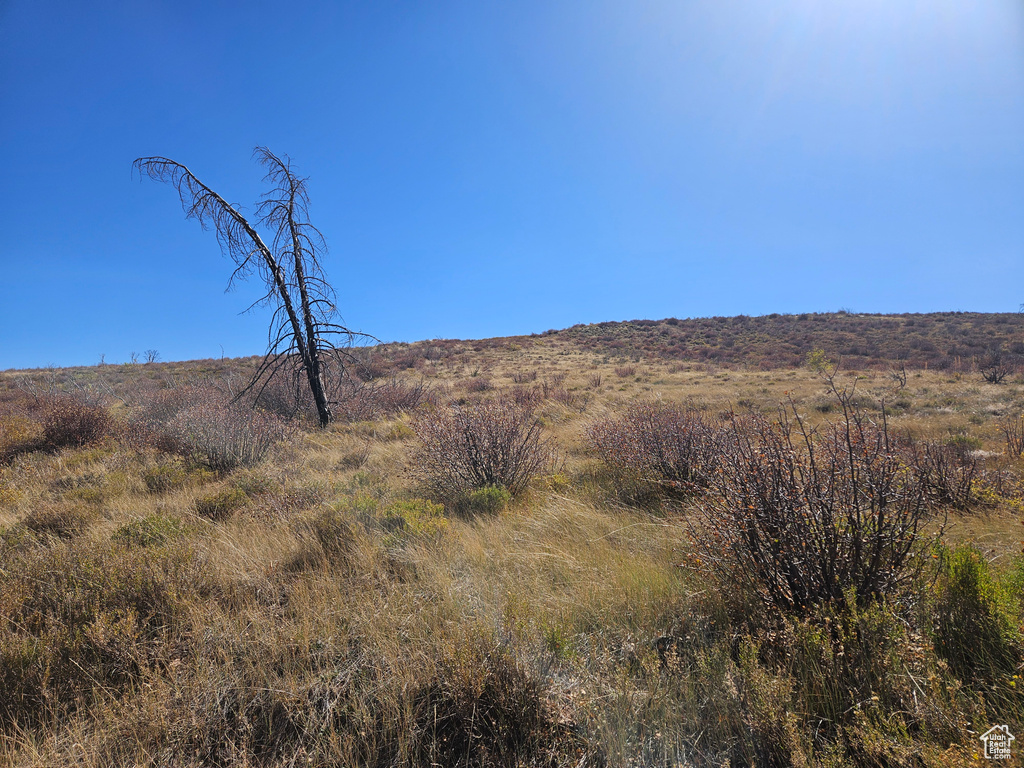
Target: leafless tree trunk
{"points": [[304, 320]]}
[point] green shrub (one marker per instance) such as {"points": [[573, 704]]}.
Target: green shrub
{"points": [[963, 444], [150, 531], [413, 518], [220, 505], [485, 501], [165, 477], [974, 627]]}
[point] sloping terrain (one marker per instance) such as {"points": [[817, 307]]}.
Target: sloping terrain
{"points": [[521, 551]]}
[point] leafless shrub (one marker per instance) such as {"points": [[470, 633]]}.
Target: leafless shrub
{"points": [[947, 472], [594, 381], [351, 399], [478, 384], [526, 397], [225, 437], [625, 371], [201, 425], [395, 396], [898, 375], [997, 367], [1012, 428], [285, 396], [496, 443], [802, 517], [524, 377], [669, 444], [69, 422], [357, 401], [369, 365]]}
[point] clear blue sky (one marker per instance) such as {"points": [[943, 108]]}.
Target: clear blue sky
{"points": [[482, 168]]}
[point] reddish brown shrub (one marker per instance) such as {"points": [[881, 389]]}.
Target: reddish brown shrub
{"points": [[356, 401], [71, 423], [803, 518], [1012, 428], [203, 426], [524, 377], [478, 384], [495, 443], [675, 445]]}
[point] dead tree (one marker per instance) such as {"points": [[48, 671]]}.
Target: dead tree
{"points": [[304, 325]]}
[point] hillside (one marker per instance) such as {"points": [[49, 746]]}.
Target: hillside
{"points": [[941, 341], [194, 582]]}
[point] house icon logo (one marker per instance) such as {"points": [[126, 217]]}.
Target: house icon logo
{"points": [[997, 742]]}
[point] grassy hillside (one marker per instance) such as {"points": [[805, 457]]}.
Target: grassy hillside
{"points": [[186, 582], [942, 341]]}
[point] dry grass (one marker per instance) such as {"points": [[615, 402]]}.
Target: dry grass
{"points": [[328, 617]]}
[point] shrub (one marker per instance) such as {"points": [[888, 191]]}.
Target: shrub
{"points": [[223, 504], [496, 443], [479, 384], [86, 620], [224, 437], [974, 628], [660, 442], [1012, 428], [486, 501], [150, 531], [358, 401], [71, 423], [948, 472], [165, 477], [413, 518], [806, 518]]}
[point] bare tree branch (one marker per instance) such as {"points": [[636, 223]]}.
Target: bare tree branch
{"points": [[305, 317]]}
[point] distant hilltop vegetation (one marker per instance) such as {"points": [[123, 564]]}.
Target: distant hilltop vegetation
{"points": [[953, 341], [941, 340]]}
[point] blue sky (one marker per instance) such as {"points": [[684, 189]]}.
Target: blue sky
{"points": [[483, 168]]}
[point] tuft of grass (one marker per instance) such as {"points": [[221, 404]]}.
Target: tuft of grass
{"points": [[151, 531], [222, 504]]}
